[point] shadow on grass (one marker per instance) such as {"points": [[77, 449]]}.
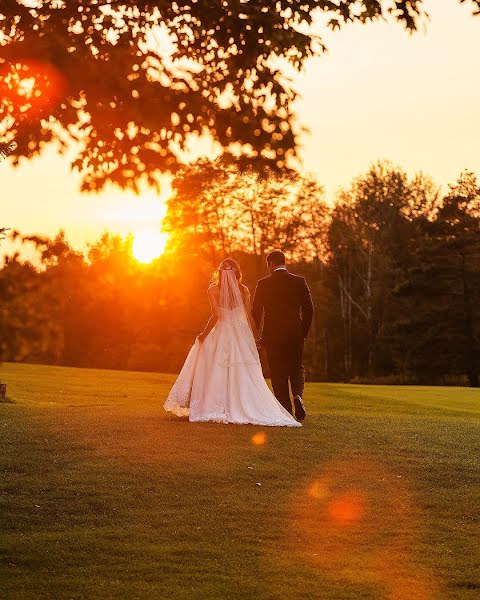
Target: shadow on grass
{"points": [[174, 419], [7, 400]]}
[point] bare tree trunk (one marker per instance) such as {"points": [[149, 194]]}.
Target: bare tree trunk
{"points": [[470, 358], [257, 252], [349, 323], [345, 283], [325, 354], [342, 298], [368, 293], [314, 338]]}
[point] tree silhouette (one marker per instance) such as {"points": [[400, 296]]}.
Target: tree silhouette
{"points": [[371, 238], [218, 209], [131, 82], [442, 334], [6, 149]]}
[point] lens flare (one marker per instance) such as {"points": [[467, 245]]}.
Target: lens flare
{"points": [[319, 490], [346, 509], [259, 439], [356, 522], [28, 87]]}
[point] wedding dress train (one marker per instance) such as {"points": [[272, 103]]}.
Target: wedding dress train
{"points": [[222, 379]]}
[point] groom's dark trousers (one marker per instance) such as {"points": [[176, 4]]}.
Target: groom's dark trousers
{"points": [[284, 303]]}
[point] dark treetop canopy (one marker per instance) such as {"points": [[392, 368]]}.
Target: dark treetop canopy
{"points": [[129, 82]]}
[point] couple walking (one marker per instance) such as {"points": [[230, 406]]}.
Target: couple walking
{"points": [[222, 379]]}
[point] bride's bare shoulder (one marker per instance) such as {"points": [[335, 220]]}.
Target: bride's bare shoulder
{"points": [[213, 289]]}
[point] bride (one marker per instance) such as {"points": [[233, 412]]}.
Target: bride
{"points": [[222, 377]]}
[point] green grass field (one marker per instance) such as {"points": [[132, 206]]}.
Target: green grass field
{"points": [[104, 496]]}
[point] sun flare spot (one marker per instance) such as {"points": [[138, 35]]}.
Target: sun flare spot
{"points": [[26, 87], [30, 86], [346, 509], [148, 245], [259, 439], [319, 490]]}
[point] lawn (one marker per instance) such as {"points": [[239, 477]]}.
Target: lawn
{"points": [[105, 496]]}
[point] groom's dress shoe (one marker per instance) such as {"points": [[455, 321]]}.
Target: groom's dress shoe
{"points": [[299, 408]]}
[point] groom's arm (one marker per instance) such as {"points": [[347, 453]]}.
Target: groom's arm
{"points": [[257, 306], [307, 309]]}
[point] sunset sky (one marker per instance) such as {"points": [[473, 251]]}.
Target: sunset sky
{"points": [[378, 93]]}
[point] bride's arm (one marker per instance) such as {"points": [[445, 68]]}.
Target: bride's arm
{"points": [[248, 310], [213, 317]]}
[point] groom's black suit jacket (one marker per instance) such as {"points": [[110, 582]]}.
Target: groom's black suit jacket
{"points": [[286, 303]]}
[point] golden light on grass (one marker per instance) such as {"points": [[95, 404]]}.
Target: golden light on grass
{"points": [[346, 509], [356, 521], [259, 439], [319, 489], [149, 245]]}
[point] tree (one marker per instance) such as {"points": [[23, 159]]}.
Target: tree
{"points": [[5, 150], [33, 299], [130, 82], [200, 215], [459, 221], [371, 237], [219, 209], [442, 335]]}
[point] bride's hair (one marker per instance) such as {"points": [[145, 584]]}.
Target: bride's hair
{"points": [[227, 265]]}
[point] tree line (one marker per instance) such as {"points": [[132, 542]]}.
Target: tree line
{"points": [[393, 265]]}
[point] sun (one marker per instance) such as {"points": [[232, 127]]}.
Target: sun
{"points": [[148, 245]]}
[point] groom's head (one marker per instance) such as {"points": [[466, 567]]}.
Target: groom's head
{"points": [[275, 259]]}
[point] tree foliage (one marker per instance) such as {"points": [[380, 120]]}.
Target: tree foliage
{"points": [[220, 209], [371, 238], [442, 282], [130, 82]]}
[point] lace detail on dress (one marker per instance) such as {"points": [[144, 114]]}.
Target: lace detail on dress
{"points": [[222, 418], [178, 401]]}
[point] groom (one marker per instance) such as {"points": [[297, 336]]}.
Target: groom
{"points": [[285, 302]]}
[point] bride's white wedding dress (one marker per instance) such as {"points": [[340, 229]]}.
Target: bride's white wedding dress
{"points": [[222, 377]]}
